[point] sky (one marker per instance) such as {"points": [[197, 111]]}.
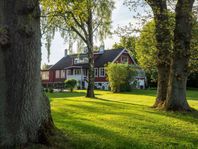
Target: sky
{"points": [[121, 16]]}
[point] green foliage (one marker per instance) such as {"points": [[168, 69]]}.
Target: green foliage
{"points": [[128, 43], [193, 64], [46, 90], [146, 47], [123, 121], [51, 90], [147, 52], [71, 18], [120, 76], [70, 84]]}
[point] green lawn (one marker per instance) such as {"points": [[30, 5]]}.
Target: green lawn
{"points": [[123, 121]]}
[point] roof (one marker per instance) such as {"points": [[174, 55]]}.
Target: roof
{"points": [[46, 67], [61, 64], [100, 60], [107, 56]]}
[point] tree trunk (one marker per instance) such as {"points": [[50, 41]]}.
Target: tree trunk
{"points": [[176, 96], [162, 85], [91, 78], [163, 38], [25, 115]]}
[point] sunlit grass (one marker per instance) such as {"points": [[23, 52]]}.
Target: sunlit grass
{"points": [[123, 121]]}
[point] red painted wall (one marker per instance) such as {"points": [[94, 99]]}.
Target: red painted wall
{"points": [[100, 79], [127, 55]]}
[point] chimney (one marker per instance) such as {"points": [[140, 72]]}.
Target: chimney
{"points": [[66, 52], [101, 49]]}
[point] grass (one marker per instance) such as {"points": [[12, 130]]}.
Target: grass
{"points": [[123, 121]]}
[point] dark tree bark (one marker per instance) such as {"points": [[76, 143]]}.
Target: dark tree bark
{"points": [[25, 115], [163, 38], [91, 78], [176, 96]]}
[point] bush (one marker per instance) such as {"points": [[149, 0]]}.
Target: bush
{"points": [[120, 76], [46, 90], [70, 84], [51, 90]]}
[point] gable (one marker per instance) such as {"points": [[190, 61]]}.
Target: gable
{"points": [[124, 55]]}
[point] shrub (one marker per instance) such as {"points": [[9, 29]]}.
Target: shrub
{"points": [[120, 76], [70, 84], [46, 90], [51, 90]]}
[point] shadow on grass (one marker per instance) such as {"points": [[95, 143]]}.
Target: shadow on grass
{"points": [[66, 94], [58, 140], [109, 102], [191, 94], [145, 92], [191, 117], [89, 136]]}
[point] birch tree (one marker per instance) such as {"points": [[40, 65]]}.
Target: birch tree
{"points": [[81, 21]]}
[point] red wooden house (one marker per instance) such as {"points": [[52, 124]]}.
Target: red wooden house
{"points": [[75, 66]]}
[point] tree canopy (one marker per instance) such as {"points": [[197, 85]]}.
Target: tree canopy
{"points": [[147, 52], [127, 42], [70, 18]]}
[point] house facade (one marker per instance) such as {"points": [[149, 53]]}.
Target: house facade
{"points": [[75, 66]]}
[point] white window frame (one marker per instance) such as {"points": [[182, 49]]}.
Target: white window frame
{"points": [[57, 74], [124, 56], [81, 60], [62, 74], [96, 72], [100, 70]]}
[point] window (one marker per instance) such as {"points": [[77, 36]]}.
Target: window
{"points": [[62, 74], [124, 59], [101, 72], [45, 75], [96, 72], [57, 74], [69, 72], [77, 71], [81, 60]]}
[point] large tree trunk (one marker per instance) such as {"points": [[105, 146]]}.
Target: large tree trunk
{"points": [[176, 96], [24, 110], [163, 38], [91, 78]]}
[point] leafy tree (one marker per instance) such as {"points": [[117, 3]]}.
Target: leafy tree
{"points": [[71, 84], [162, 35], [119, 75], [171, 64], [176, 95], [146, 48], [24, 109], [81, 21], [147, 52], [128, 43]]}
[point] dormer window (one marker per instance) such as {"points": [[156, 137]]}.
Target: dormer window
{"points": [[80, 60]]}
